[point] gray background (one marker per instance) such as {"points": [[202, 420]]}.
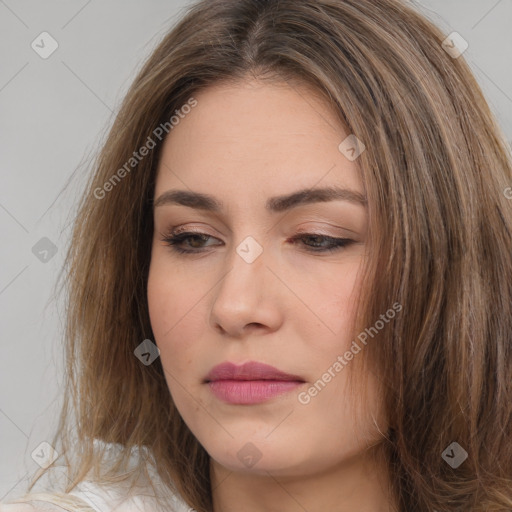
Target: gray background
{"points": [[54, 114]]}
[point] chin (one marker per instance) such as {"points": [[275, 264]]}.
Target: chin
{"points": [[260, 456]]}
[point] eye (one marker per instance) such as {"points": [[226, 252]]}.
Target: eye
{"points": [[315, 242], [192, 242], [176, 241]]}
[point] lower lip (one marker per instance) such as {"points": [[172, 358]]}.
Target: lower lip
{"points": [[245, 392]]}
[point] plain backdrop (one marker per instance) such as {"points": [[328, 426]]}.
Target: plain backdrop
{"points": [[54, 112]]}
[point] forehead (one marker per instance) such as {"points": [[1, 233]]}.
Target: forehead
{"points": [[256, 137]]}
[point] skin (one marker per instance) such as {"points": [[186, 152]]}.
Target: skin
{"points": [[291, 308]]}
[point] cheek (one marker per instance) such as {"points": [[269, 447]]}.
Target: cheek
{"points": [[161, 301], [333, 299], [173, 294], [175, 314], [177, 321]]}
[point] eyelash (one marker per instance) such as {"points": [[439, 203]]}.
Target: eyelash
{"points": [[173, 240]]}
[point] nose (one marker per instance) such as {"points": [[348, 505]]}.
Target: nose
{"points": [[246, 298]]}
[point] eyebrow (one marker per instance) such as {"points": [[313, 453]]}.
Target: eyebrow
{"points": [[274, 204]]}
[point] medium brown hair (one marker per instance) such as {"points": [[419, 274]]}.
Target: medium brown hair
{"points": [[439, 243]]}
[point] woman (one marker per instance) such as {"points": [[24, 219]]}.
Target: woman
{"points": [[290, 277]]}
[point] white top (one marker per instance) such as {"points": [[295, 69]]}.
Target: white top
{"points": [[89, 496]]}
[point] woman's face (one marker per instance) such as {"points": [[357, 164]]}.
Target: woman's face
{"points": [[258, 282]]}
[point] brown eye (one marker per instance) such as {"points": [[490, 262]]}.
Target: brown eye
{"points": [[316, 242], [188, 242]]}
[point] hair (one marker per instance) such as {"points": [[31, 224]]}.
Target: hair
{"points": [[439, 243]]}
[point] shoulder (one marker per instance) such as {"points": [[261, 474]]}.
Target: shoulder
{"points": [[91, 497], [94, 496], [47, 502], [106, 498], [17, 507]]}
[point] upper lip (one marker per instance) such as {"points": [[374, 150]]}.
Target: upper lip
{"points": [[252, 370]]}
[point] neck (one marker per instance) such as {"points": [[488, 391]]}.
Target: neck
{"points": [[361, 483]]}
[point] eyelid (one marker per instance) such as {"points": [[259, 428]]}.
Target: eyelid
{"points": [[187, 228], [297, 232], [315, 226], [340, 231]]}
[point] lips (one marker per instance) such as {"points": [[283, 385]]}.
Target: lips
{"points": [[249, 371], [251, 383]]}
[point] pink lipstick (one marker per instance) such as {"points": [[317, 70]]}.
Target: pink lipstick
{"points": [[250, 383]]}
